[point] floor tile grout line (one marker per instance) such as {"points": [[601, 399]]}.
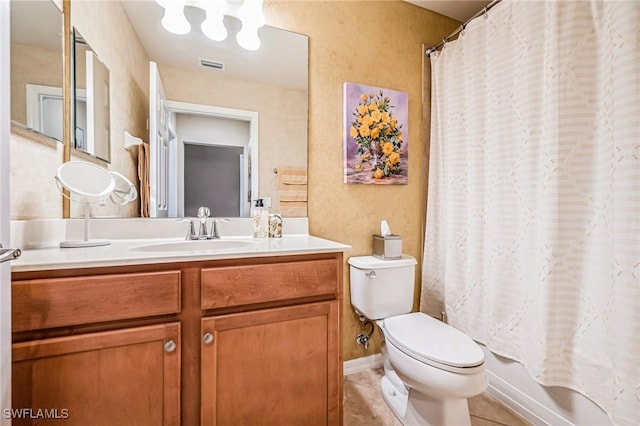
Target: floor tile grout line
{"points": [[489, 420]]}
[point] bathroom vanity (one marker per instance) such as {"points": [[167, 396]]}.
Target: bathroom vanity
{"points": [[247, 335]]}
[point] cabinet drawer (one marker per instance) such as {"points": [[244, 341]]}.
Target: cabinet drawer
{"points": [[249, 284], [60, 302]]}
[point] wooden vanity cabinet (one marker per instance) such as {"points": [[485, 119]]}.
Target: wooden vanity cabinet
{"points": [[121, 377], [83, 353], [252, 341], [272, 367]]}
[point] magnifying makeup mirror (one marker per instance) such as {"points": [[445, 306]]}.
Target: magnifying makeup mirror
{"points": [[87, 183], [124, 191]]}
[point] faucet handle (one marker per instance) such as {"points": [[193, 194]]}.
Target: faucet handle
{"points": [[191, 230], [214, 227], [203, 212]]}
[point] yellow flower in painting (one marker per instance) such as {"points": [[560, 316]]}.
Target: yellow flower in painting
{"points": [[353, 132], [367, 120], [380, 126], [364, 131], [377, 174], [373, 106], [365, 156], [357, 167], [400, 136], [371, 95], [362, 109], [394, 122], [375, 132], [387, 148], [394, 158], [363, 97], [385, 117], [376, 116]]}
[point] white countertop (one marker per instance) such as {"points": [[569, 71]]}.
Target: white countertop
{"points": [[125, 252], [39, 241]]}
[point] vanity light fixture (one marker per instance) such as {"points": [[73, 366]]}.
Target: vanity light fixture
{"points": [[174, 20], [248, 11]]}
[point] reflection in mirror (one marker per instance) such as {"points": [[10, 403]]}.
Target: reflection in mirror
{"points": [[126, 36], [91, 101], [124, 191], [204, 76], [36, 67]]}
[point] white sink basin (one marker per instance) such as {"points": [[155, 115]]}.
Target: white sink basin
{"points": [[194, 246]]}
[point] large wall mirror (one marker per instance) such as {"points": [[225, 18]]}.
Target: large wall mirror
{"points": [[212, 91], [36, 67], [196, 73]]}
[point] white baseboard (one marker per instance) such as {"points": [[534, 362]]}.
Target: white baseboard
{"points": [[356, 365], [522, 404]]}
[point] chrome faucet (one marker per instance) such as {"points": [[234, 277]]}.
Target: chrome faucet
{"points": [[203, 214], [203, 234], [214, 228]]}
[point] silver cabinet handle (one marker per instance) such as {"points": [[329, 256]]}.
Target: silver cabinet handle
{"points": [[9, 254], [170, 346], [371, 274], [207, 338]]}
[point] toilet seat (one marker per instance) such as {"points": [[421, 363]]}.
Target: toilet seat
{"points": [[433, 342]]}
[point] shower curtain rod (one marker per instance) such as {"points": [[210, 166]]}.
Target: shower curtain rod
{"points": [[487, 8]]}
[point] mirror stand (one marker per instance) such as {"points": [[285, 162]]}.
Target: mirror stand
{"points": [[86, 242]]}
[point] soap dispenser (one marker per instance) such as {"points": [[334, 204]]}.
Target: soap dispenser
{"points": [[260, 216]]}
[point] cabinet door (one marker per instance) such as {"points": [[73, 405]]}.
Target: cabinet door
{"points": [[272, 367], [122, 377]]}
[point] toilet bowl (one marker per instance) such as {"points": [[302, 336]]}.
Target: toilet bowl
{"points": [[430, 367], [438, 382]]}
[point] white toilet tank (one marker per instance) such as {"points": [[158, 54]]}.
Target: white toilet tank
{"points": [[382, 288]]}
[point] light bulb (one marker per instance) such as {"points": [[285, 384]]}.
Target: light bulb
{"points": [[174, 20], [250, 13], [248, 38], [213, 24]]}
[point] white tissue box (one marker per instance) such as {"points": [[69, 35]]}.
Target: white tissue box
{"points": [[387, 247]]}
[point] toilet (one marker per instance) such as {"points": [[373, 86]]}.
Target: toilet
{"points": [[430, 368]]}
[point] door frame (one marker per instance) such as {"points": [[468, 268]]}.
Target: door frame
{"points": [[5, 237], [230, 114]]}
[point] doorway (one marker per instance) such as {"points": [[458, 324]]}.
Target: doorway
{"points": [[213, 178], [223, 184]]}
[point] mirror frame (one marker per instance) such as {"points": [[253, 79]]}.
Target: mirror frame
{"points": [[67, 40]]}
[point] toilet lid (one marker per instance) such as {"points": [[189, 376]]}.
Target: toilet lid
{"points": [[429, 340]]}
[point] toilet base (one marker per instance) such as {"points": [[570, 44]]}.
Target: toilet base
{"points": [[416, 409]]}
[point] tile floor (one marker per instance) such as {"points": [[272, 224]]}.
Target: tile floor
{"points": [[363, 405]]}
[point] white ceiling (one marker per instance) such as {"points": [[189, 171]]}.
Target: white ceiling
{"points": [[281, 59], [37, 24], [460, 10]]}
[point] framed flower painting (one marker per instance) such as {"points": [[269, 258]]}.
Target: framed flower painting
{"points": [[376, 142]]}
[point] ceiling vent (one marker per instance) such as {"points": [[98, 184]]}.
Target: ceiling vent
{"points": [[209, 63]]}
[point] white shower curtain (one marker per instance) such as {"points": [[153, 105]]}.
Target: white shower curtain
{"points": [[533, 220]]}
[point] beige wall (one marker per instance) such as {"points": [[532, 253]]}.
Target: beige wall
{"points": [[33, 191], [282, 116], [377, 43], [32, 65]]}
